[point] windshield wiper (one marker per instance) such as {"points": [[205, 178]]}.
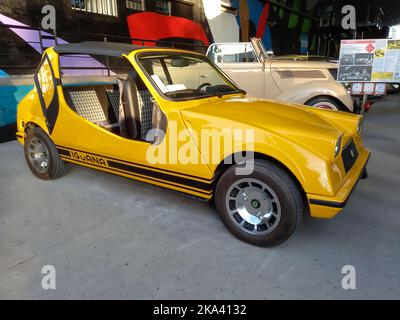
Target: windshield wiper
{"points": [[221, 94]]}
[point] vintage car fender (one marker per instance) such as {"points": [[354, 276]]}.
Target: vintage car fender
{"points": [[302, 93]]}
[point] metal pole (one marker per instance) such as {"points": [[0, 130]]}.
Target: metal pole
{"points": [[364, 102], [55, 36], [107, 60], [55, 30], [40, 40]]}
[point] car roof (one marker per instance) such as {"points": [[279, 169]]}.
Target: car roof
{"points": [[114, 49]]}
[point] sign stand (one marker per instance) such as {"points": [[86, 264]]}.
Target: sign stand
{"points": [[364, 102]]}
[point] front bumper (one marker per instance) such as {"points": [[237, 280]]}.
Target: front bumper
{"points": [[328, 207], [20, 137]]}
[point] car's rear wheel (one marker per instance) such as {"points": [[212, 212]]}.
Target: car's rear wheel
{"points": [[42, 156], [325, 103], [262, 208]]}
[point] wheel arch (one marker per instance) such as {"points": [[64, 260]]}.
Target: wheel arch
{"points": [[35, 124], [224, 165]]}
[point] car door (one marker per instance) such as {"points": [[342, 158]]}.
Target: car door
{"points": [[46, 86], [239, 62], [271, 88], [248, 76]]}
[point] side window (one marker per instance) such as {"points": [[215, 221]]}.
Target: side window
{"points": [[45, 82], [232, 52]]}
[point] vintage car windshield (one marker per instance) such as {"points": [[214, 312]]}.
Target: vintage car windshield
{"points": [[185, 76], [232, 52]]}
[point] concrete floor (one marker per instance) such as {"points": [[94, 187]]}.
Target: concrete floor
{"points": [[109, 237]]}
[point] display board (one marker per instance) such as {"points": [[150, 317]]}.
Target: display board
{"points": [[369, 61]]}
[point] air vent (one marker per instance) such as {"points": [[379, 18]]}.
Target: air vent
{"points": [[311, 74]]}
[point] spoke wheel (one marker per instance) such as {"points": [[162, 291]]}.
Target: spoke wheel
{"points": [[253, 206], [262, 208], [42, 156], [39, 155]]}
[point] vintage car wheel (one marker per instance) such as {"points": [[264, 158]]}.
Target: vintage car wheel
{"points": [[325, 103], [262, 208], [42, 156]]}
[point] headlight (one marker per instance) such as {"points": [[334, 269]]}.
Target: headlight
{"points": [[338, 146], [360, 126]]}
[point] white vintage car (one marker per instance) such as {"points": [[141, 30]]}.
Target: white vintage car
{"points": [[308, 82]]}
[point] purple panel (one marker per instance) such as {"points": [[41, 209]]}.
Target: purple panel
{"points": [[31, 37]]}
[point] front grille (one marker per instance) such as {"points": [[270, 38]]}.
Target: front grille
{"points": [[349, 155]]}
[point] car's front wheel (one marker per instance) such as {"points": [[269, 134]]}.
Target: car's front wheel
{"points": [[262, 208], [325, 103], [42, 156]]}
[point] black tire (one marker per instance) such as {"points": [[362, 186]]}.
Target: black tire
{"points": [[364, 174], [55, 167], [314, 102], [290, 199]]}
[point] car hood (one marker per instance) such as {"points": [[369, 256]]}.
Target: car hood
{"points": [[292, 122]]}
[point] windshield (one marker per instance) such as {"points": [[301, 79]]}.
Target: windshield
{"points": [[232, 52], [185, 76]]}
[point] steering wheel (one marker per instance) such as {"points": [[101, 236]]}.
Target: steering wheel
{"points": [[205, 84]]}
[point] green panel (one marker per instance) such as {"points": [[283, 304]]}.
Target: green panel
{"points": [[314, 43], [294, 18], [297, 5], [306, 26]]}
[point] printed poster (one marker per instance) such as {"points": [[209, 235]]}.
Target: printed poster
{"points": [[369, 61]]}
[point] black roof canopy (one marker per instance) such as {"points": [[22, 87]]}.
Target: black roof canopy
{"points": [[114, 49]]}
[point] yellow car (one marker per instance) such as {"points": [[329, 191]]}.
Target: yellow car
{"points": [[173, 119]]}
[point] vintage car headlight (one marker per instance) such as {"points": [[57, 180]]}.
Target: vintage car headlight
{"points": [[338, 145], [360, 126]]}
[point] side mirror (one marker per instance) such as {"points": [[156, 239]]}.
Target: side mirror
{"points": [[179, 63]]}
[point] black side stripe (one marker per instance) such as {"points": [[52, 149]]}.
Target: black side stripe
{"points": [[206, 187], [137, 164], [206, 194], [162, 176], [331, 204], [64, 152]]}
